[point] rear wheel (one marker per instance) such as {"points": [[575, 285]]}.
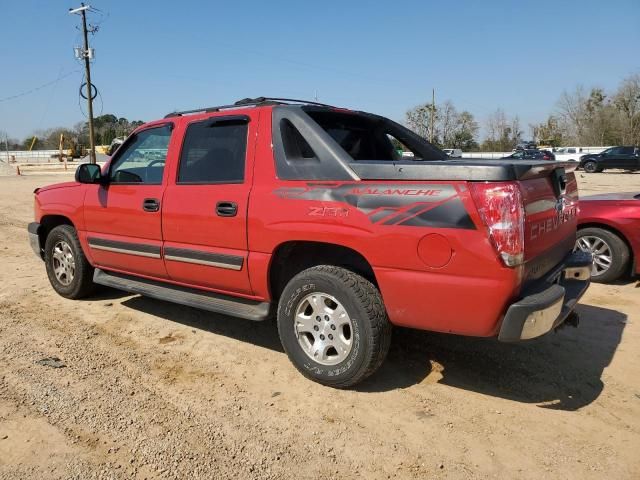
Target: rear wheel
{"points": [[69, 271], [333, 325], [610, 253], [590, 167]]}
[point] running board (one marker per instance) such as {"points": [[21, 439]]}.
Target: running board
{"points": [[213, 302]]}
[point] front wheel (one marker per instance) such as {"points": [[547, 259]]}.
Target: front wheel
{"points": [[333, 325], [69, 271], [610, 253]]}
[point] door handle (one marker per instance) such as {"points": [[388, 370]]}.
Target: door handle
{"points": [[150, 205], [226, 209]]}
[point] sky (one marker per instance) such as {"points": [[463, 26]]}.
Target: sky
{"points": [[153, 57]]}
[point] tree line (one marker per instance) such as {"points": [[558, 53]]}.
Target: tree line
{"points": [[581, 117], [106, 128]]}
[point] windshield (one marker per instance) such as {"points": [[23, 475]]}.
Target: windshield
{"points": [[370, 137]]}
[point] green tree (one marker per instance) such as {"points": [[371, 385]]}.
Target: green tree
{"points": [[451, 129]]}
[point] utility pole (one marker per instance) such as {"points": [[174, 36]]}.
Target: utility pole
{"points": [[87, 54], [433, 112], [6, 145]]}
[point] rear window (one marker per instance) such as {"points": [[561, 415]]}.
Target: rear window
{"points": [[369, 137]]}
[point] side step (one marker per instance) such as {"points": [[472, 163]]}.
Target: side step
{"points": [[213, 302]]}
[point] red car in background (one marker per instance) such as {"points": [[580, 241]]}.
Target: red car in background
{"points": [[609, 228]]}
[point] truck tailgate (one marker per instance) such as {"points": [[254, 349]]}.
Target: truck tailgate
{"points": [[551, 215]]}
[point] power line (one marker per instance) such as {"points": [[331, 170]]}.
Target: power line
{"points": [[33, 90]]}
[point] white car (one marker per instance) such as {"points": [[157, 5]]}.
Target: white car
{"points": [[571, 154], [453, 152]]}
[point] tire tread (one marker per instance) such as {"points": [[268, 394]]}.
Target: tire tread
{"points": [[85, 285], [369, 297]]}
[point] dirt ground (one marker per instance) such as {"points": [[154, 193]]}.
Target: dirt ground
{"points": [[155, 390]]}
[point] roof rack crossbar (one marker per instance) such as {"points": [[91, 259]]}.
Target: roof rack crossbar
{"points": [[246, 102], [259, 100]]}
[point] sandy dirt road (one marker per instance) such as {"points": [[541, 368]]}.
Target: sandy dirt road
{"points": [[155, 390]]}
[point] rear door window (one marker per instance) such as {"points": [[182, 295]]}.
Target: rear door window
{"points": [[213, 152]]}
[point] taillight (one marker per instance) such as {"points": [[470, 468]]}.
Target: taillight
{"points": [[500, 206], [546, 157]]}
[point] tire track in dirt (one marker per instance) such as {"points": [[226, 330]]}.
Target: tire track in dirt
{"points": [[117, 374]]}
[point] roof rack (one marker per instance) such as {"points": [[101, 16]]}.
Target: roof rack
{"points": [[247, 102]]}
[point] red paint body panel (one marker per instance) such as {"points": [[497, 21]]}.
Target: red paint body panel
{"points": [[462, 288], [115, 213], [189, 220], [620, 212]]}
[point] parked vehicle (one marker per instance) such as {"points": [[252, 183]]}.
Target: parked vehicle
{"points": [[548, 155], [568, 154], [609, 228], [319, 221], [114, 145], [529, 154], [526, 146], [625, 158], [453, 152]]}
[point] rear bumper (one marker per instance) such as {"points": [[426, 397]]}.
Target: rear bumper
{"points": [[34, 238], [548, 304]]}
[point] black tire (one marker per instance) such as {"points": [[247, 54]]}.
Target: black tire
{"points": [[370, 334], [590, 166], [619, 253], [81, 281]]}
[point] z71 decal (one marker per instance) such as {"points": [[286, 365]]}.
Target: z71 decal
{"points": [[328, 212], [399, 204]]}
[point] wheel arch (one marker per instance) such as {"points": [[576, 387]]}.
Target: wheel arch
{"points": [[50, 221], [291, 257]]}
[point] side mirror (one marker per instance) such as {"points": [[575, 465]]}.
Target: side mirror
{"points": [[88, 173]]}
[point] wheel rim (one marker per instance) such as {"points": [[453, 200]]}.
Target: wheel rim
{"points": [[590, 167], [64, 264], [601, 251], [323, 328]]}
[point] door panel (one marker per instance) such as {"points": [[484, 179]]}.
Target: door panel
{"points": [[204, 215], [211, 250], [115, 214], [123, 218]]}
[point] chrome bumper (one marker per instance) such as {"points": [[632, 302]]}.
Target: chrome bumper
{"points": [[34, 238], [550, 304]]}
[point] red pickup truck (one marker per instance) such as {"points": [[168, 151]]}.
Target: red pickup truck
{"points": [[310, 213]]}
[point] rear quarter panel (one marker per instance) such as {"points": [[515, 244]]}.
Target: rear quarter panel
{"points": [[429, 251]]}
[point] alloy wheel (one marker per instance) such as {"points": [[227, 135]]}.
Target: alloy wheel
{"points": [[323, 328], [64, 264], [601, 251]]}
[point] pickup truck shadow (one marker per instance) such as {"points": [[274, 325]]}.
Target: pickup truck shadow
{"points": [[263, 334], [561, 370]]}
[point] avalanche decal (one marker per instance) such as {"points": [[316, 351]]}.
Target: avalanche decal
{"points": [[398, 204]]}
